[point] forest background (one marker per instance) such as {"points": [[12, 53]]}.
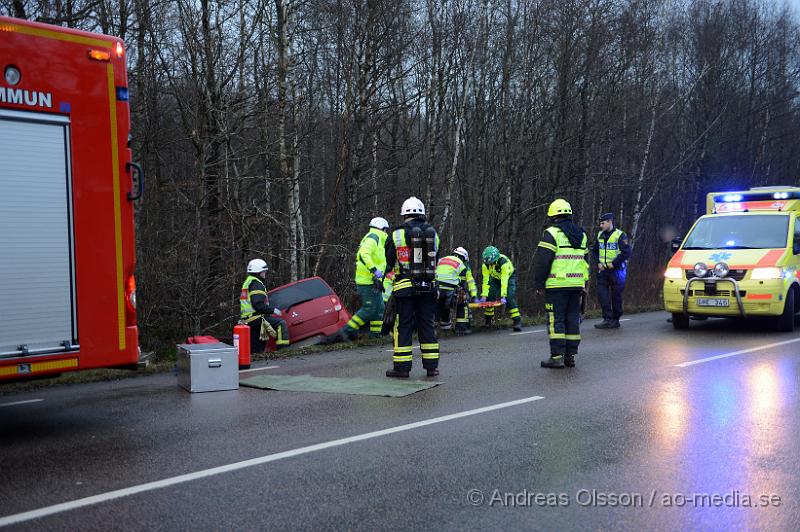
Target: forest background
{"points": [[279, 128]]}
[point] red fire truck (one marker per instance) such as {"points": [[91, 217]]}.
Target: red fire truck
{"points": [[67, 187]]}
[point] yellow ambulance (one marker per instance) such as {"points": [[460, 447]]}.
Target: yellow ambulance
{"points": [[741, 259]]}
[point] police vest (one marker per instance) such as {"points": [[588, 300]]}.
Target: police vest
{"points": [[569, 268], [246, 309], [609, 249], [449, 270], [376, 252]]}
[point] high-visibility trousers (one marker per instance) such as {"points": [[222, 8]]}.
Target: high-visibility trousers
{"points": [[371, 311], [511, 298]]}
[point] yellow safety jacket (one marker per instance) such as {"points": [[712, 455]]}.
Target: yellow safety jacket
{"points": [[569, 268], [371, 254], [502, 269], [246, 310], [451, 272]]}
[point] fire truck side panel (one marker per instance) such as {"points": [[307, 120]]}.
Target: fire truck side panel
{"points": [[92, 96]]}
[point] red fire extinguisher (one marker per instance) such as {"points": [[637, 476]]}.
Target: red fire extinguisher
{"points": [[241, 340]]}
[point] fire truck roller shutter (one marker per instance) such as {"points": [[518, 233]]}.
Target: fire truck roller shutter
{"points": [[36, 239]]}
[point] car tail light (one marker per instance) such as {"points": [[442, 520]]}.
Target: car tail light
{"points": [[336, 306]]}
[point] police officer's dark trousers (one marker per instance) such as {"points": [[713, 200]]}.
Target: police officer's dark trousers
{"points": [[563, 306], [610, 286], [417, 309]]}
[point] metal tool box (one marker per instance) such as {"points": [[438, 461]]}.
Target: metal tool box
{"points": [[208, 367]]}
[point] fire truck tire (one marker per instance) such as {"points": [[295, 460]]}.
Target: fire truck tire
{"points": [[680, 321], [785, 322]]}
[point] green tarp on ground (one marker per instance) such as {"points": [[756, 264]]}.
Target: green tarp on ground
{"points": [[307, 383]]}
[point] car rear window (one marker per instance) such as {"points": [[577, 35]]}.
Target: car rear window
{"points": [[299, 293]]}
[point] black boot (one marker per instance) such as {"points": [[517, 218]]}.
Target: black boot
{"points": [[396, 374], [569, 361], [487, 322], [605, 324], [614, 324], [554, 362], [518, 324], [432, 372]]}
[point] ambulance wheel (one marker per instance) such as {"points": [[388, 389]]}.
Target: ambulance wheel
{"points": [[680, 320], [785, 322]]}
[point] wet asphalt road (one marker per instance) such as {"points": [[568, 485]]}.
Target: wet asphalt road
{"points": [[611, 443]]}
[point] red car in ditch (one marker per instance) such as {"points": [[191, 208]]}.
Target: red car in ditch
{"points": [[311, 309]]}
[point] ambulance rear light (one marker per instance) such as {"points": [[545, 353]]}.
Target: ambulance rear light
{"points": [[120, 49], [131, 293], [99, 55]]}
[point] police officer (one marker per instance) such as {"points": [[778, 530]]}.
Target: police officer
{"points": [[412, 253], [453, 274], [609, 256], [255, 308], [370, 270], [561, 271], [499, 281]]}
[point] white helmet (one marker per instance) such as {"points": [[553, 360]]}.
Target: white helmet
{"points": [[257, 266], [461, 252], [379, 223], [412, 206]]}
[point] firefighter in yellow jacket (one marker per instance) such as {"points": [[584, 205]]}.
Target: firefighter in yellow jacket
{"points": [[255, 308], [561, 271], [455, 281], [412, 252]]}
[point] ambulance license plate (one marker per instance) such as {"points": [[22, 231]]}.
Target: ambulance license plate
{"points": [[713, 302]]}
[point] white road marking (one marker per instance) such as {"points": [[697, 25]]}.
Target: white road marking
{"points": [[149, 486], [527, 332], [257, 369], [735, 353], [21, 402]]}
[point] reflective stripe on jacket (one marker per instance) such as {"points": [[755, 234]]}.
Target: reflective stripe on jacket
{"points": [[569, 268], [452, 271]]}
